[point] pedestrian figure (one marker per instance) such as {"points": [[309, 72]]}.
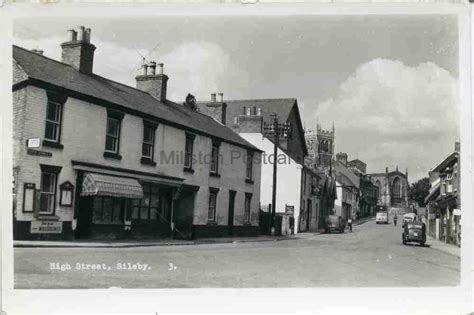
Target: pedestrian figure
{"points": [[395, 220], [349, 224]]}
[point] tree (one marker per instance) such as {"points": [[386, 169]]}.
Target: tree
{"points": [[419, 190]]}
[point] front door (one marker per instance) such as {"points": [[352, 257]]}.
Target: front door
{"points": [[231, 211]]}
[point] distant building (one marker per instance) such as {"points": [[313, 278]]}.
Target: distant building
{"points": [[444, 199], [392, 188], [348, 189]]}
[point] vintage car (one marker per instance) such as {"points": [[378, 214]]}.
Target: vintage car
{"points": [[381, 217], [334, 223], [414, 231]]}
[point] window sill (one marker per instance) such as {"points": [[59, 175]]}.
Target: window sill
{"points": [[188, 170], [47, 217], [52, 144], [247, 224], [215, 175], [249, 181], [211, 223], [112, 155], [147, 161]]}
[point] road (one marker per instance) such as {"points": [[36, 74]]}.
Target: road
{"points": [[372, 255]]}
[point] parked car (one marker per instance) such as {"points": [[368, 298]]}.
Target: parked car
{"points": [[334, 223], [381, 217], [414, 231]]}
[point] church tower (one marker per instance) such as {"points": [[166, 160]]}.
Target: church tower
{"points": [[320, 144]]}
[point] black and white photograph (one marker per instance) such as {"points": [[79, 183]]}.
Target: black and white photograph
{"points": [[219, 150]]}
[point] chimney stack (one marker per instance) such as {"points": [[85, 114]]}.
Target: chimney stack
{"points": [[217, 109], [78, 51], [213, 97], [152, 81], [457, 146]]}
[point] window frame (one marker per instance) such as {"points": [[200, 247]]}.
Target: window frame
{"points": [[152, 126], [56, 123], [247, 211], [212, 205], [59, 100], [249, 166], [215, 155], [114, 137], [121, 210], [29, 186], [188, 152], [51, 193], [118, 116], [54, 170]]}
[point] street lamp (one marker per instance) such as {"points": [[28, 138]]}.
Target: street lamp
{"points": [[276, 131]]}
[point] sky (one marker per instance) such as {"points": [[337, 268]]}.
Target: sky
{"points": [[389, 83]]}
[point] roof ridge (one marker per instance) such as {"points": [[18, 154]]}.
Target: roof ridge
{"points": [[43, 56]]}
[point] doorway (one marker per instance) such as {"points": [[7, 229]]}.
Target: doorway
{"points": [[230, 223]]}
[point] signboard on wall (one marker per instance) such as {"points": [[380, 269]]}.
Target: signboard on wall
{"points": [[290, 209], [45, 227]]}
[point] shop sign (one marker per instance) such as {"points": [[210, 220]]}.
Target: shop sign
{"points": [[33, 143], [457, 212], [290, 209], [39, 153], [44, 227]]}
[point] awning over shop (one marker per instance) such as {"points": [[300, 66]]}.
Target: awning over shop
{"points": [[112, 186], [434, 192]]}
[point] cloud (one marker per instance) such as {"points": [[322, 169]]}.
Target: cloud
{"points": [[387, 113], [196, 67]]}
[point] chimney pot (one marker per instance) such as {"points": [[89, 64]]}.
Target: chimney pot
{"points": [[213, 97], [160, 68], [144, 69], [40, 52], [151, 68], [457, 146], [80, 33], [87, 35], [72, 35], [221, 97]]}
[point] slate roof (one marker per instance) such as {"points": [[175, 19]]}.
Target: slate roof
{"points": [[44, 69]]}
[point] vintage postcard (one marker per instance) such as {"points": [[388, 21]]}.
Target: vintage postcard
{"points": [[210, 147]]}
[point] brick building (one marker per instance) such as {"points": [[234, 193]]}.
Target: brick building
{"points": [[94, 158], [296, 183]]}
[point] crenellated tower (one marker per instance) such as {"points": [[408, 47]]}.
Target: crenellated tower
{"points": [[320, 145]]}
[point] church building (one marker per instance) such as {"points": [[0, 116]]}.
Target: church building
{"points": [[392, 187]]}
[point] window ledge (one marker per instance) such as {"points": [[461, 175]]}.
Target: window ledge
{"points": [[147, 161], [211, 223], [48, 217], [249, 181], [247, 224], [52, 144], [188, 170], [112, 155], [215, 175]]}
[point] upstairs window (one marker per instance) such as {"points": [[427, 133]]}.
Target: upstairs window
{"points": [[249, 166], [49, 178], [53, 121], [148, 144], [54, 113], [215, 157], [113, 135], [188, 152]]}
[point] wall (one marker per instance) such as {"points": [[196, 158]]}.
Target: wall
{"points": [[83, 137], [288, 179]]}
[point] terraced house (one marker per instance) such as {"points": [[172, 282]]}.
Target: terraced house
{"points": [[94, 158]]}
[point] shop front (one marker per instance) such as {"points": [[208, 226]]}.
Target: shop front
{"points": [[112, 206]]}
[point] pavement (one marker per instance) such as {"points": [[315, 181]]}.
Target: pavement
{"points": [[163, 242], [443, 247], [371, 256]]}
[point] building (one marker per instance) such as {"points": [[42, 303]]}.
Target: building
{"points": [[320, 143], [347, 186], [94, 158], [392, 187], [444, 199], [368, 191], [296, 201]]}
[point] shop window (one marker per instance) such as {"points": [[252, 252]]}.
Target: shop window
{"points": [[147, 208], [108, 210], [248, 202]]}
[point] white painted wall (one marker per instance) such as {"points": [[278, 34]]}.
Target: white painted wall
{"points": [[288, 179]]}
